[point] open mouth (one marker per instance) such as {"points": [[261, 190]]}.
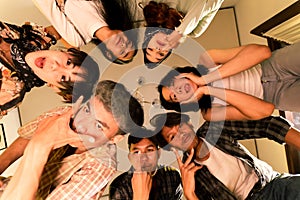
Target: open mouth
{"points": [[39, 62], [187, 88]]}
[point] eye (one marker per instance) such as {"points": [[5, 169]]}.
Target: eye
{"points": [[99, 126], [136, 152], [150, 150], [69, 62], [86, 109]]}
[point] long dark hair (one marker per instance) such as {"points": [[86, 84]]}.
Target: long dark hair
{"points": [[119, 15], [159, 17], [204, 103]]}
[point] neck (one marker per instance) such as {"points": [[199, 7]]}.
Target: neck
{"points": [[201, 151]]}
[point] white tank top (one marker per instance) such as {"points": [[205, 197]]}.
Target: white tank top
{"points": [[248, 81]]}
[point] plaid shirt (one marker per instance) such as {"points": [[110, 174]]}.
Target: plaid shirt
{"points": [[224, 136], [167, 179], [80, 176]]}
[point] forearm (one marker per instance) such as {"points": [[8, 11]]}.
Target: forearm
{"points": [[12, 153], [250, 107], [25, 181], [293, 138], [236, 60]]}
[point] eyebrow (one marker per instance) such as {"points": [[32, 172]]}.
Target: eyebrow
{"points": [[151, 145], [102, 123]]}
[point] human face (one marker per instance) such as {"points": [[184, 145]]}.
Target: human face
{"points": [[120, 45], [144, 155], [94, 120], [180, 136], [156, 49], [180, 89], [53, 67]]}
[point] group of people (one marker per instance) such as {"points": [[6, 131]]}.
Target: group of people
{"points": [[70, 152]]}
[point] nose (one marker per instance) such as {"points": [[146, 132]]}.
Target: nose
{"points": [[144, 156]]}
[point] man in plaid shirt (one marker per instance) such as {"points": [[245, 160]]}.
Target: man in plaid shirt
{"points": [[216, 166], [84, 171], [146, 179]]}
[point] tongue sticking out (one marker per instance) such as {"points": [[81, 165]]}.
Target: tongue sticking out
{"points": [[39, 62]]}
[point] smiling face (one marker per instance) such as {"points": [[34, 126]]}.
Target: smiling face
{"points": [[53, 67], [120, 46], [144, 155], [180, 89], [156, 49], [180, 136], [94, 120]]}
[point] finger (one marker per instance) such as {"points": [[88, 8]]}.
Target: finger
{"points": [[190, 166], [76, 105], [189, 159], [177, 156]]}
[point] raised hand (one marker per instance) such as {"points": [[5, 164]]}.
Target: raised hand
{"points": [[187, 170], [141, 185]]}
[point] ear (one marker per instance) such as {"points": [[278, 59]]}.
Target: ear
{"points": [[117, 138]]}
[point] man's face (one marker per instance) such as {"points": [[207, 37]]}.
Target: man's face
{"points": [[94, 120], [144, 155], [180, 136]]}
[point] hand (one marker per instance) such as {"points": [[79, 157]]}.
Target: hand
{"points": [[141, 185], [187, 170], [55, 132], [173, 39], [195, 78]]}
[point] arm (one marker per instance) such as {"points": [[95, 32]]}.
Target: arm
{"points": [[27, 176], [241, 106], [85, 26], [187, 170], [12, 153], [141, 185], [198, 17], [233, 61]]}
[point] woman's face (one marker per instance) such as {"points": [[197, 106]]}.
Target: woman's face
{"points": [[156, 49], [120, 45], [53, 66], [181, 89]]}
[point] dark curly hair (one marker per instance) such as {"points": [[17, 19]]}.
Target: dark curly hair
{"points": [[161, 15], [204, 103]]}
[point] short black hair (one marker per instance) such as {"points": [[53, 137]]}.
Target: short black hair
{"points": [[169, 119], [141, 134]]}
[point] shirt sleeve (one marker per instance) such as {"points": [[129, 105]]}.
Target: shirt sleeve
{"points": [[29, 129], [86, 183], [273, 128], [199, 16], [77, 24]]}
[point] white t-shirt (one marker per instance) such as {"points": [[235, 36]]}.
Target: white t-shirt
{"points": [[234, 173], [83, 14], [248, 81]]}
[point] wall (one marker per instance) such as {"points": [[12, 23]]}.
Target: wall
{"points": [[251, 13]]}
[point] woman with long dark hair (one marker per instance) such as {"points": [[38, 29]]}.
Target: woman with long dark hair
{"points": [[79, 22], [182, 18]]}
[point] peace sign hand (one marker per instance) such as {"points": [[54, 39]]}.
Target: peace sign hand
{"points": [[187, 170]]}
